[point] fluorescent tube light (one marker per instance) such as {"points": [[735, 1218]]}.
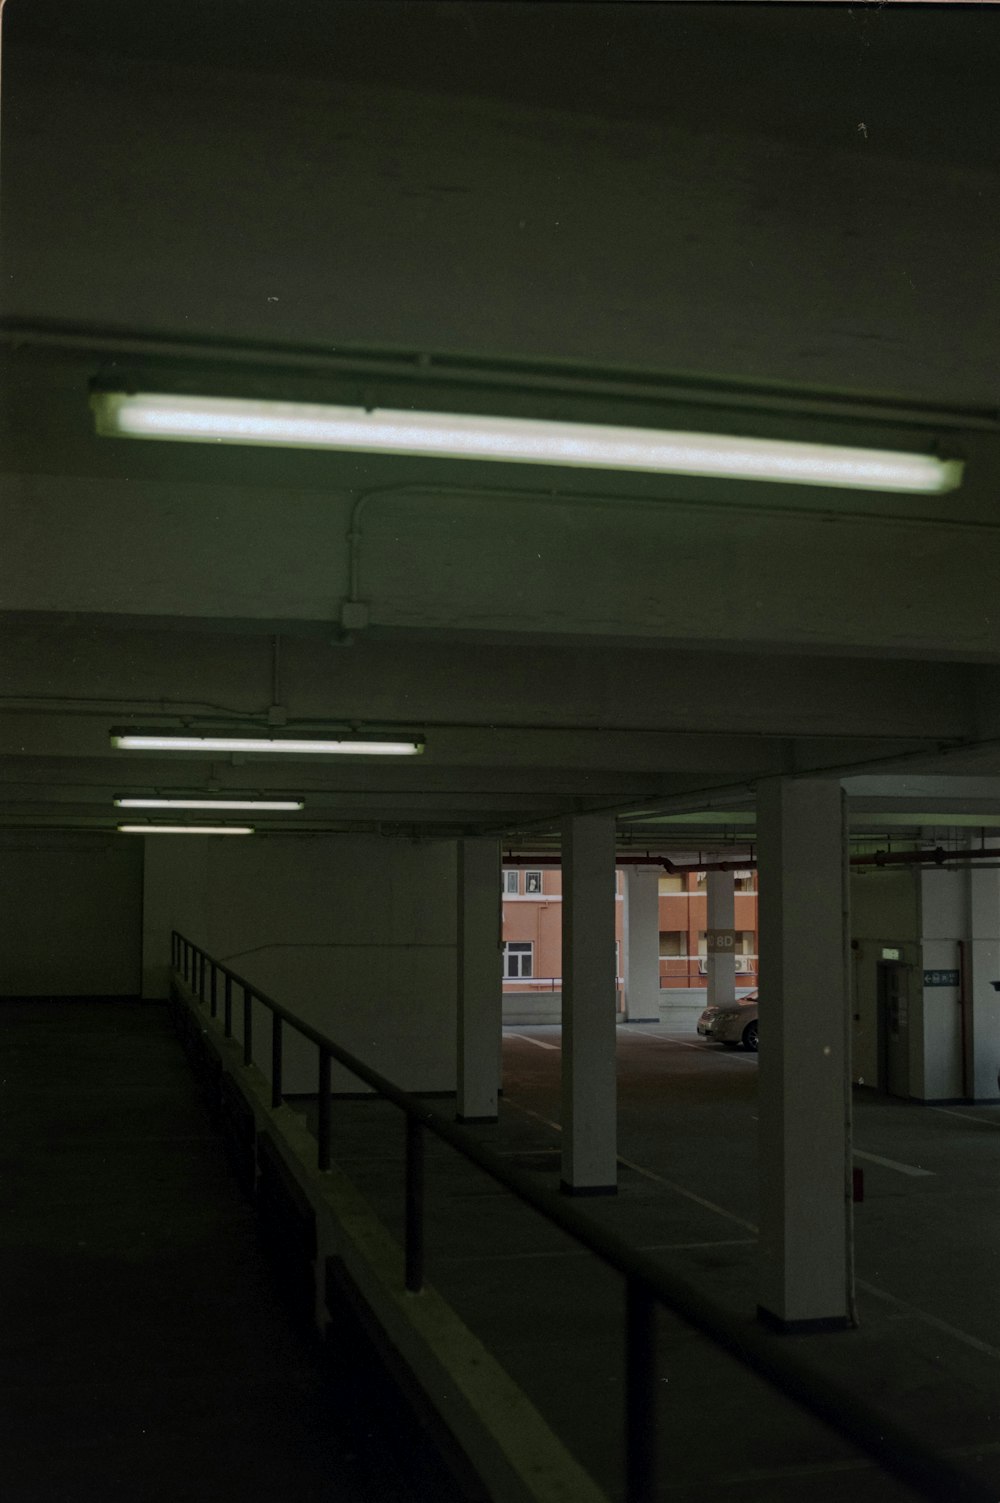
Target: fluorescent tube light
{"points": [[185, 829], [349, 746], [237, 420], [207, 803]]}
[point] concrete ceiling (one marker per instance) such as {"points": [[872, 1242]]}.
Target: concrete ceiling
{"points": [[770, 220]]}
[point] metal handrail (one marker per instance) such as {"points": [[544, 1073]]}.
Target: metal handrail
{"points": [[647, 1284]]}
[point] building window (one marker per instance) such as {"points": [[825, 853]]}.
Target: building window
{"points": [[518, 959], [671, 884], [532, 881], [510, 883], [672, 942], [745, 954]]}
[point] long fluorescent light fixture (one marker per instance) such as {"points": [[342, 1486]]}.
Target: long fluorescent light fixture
{"points": [[185, 829], [299, 425], [289, 745], [272, 805]]}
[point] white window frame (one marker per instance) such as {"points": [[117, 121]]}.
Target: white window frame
{"points": [[532, 891], [509, 889], [518, 951]]}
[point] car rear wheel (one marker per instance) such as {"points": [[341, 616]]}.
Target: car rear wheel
{"points": [[749, 1039]]}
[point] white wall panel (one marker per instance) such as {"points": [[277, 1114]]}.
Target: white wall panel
{"points": [[356, 934]]}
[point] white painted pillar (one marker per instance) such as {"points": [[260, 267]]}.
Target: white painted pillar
{"points": [[804, 1092], [720, 890], [589, 1099], [982, 1039], [480, 983], [641, 944]]}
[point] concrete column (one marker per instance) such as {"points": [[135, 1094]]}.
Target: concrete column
{"points": [[720, 890], [982, 1035], [804, 1092], [641, 944], [480, 984], [589, 1102]]}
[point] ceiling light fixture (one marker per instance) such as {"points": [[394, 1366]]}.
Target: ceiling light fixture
{"points": [[272, 805], [352, 746], [300, 425], [185, 829]]}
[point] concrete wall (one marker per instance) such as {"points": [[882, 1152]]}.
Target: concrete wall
{"points": [[355, 934], [884, 914], [937, 1045], [70, 915]]}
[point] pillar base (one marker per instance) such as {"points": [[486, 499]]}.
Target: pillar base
{"points": [[471, 1121], [568, 1189], [803, 1327]]}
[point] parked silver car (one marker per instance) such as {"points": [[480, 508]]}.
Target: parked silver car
{"points": [[732, 1025]]}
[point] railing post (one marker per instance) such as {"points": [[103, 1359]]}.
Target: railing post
{"points": [[227, 1006], [414, 1205], [323, 1125], [185, 960], [640, 1391], [247, 1025], [213, 990], [201, 976], [275, 1059]]}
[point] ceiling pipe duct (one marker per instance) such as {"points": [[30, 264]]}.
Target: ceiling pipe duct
{"points": [[937, 857], [749, 864]]}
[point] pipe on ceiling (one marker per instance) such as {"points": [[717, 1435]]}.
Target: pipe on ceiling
{"points": [[938, 857]]}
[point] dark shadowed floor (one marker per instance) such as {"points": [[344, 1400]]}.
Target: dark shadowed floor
{"points": [[146, 1351]]}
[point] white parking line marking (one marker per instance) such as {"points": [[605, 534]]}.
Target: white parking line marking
{"points": [[650, 1174], [983, 1121], [583, 1252], [930, 1320], [671, 1043], [537, 1042], [556, 1127], [892, 1299], [686, 1246], [911, 1169], [709, 1205]]}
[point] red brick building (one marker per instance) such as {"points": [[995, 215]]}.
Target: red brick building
{"points": [[532, 928]]}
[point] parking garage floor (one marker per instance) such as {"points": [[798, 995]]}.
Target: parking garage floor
{"points": [[145, 1353], [927, 1351]]}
